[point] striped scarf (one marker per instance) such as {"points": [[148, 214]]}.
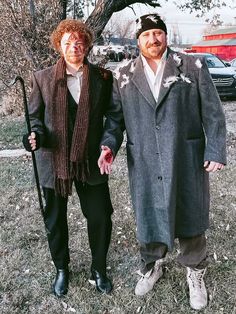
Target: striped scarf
{"points": [[69, 162]]}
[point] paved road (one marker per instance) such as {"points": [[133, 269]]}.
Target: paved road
{"points": [[13, 153]]}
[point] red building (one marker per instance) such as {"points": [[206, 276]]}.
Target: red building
{"points": [[221, 43]]}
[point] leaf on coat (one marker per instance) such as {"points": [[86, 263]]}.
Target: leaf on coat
{"points": [[125, 81], [170, 80], [177, 59], [132, 67], [185, 78], [198, 63], [116, 71]]}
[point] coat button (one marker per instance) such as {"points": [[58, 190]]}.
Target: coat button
{"points": [[158, 127], [159, 178]]}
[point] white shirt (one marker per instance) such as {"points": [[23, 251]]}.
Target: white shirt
{"points": [[74, 84], [154, 79]]}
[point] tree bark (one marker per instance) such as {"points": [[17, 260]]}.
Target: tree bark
{"points": [[64, 7], [104, 10], [33, 16]]}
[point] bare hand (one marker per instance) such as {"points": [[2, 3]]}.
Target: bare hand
{"points": [[105, 160], [32, 140], [212, 166]]}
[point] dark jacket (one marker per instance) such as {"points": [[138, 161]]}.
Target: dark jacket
{"points": [[40, 111]]}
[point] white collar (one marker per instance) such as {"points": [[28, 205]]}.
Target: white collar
{"points": [[77, 73], [163, 58]]}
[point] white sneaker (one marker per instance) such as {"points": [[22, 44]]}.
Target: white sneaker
{"points": [[197, 288], [147, 281]]}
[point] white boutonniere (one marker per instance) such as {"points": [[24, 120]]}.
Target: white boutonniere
{"points": [[198, 63], [170, 80], [177, 59], [125, 80], [185, 78]]}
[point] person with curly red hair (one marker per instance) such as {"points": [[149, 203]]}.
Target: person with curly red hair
{"points": [[66, 107]]}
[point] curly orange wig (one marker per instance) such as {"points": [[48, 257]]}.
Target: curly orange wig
{"points": [[71, 26]]}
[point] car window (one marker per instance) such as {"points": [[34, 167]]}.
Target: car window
{"points": [[214, 62]]}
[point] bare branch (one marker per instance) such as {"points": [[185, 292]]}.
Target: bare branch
{"points": [[105, 8], [132, 9]]}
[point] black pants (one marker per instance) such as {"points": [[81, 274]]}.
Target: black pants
{"points": [[97, 208]]}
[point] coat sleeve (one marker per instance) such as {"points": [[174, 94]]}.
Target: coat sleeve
{"points": [[114, 123], [36, 110], [213, 118]]}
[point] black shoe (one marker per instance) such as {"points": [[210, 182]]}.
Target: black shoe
{"points": [[103, 284], [60, 285]]}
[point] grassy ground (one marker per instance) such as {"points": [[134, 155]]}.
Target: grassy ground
{"points": [[27, 272], [11, 132]]}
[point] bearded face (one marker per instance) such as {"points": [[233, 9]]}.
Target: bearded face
{"points": [[152, 43]]}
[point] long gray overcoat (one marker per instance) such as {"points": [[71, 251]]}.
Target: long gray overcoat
{"points": [[167, 144]]}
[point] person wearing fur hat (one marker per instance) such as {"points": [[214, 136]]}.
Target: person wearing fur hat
{"points": [[66, 108], [168, 105]]}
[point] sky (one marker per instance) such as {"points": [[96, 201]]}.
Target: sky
{"points": [[190, 27]]}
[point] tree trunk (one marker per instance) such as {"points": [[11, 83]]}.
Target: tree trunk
{"points": [[33, 17], [104, 10], [64, 7]]}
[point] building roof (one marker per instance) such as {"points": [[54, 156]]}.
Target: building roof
{"points": [[217, 42], [228, 30]]}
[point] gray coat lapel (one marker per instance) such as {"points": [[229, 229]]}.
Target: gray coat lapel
{"points": [[171, 69], [140, 81]]}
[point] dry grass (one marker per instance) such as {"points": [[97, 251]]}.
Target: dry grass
{"points": [[27, 273], [12, 129]]}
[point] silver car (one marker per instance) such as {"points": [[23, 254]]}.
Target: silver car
{"points": [[223, 76]]}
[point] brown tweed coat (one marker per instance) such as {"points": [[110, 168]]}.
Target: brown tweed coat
{"points": [[40, 111]]}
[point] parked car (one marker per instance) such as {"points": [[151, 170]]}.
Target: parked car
{"points": [[224, 77], [233, 64]]}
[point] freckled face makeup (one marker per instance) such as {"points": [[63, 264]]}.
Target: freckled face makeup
{"points": [[73, 48]]}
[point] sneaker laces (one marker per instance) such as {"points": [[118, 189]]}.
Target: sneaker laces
{"points": [[146, 275], [196, 277], [156, 266]]}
